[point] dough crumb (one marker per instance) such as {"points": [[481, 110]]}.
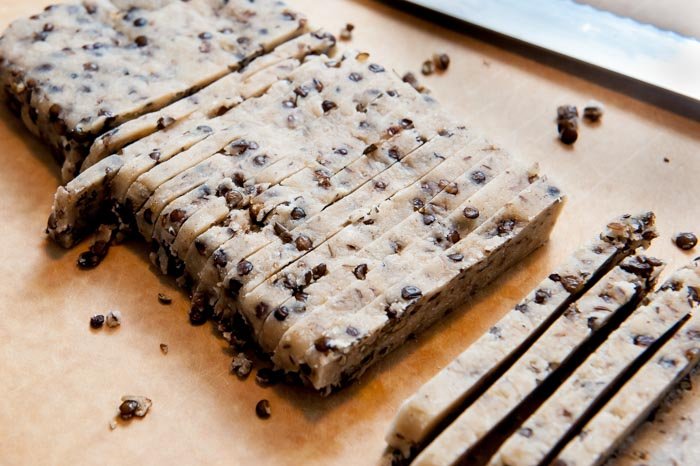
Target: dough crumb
{"points": [[114, 319], [262, 409], [241, 365], [567, 123], [346, 32], [98, 249]]}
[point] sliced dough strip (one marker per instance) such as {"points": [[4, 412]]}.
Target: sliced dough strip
{"points": [[602, 371], [550, 359], [327, 355], [437, 403], [633, 404]]}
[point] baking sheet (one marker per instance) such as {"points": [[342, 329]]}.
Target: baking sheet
{"points": [[62, 382]]}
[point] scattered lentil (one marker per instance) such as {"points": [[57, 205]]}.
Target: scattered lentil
{"points": [[411, 292], [97, 321], [442, 61], [567, 123], [686, 240], [568, 131], [593, 111], [262, 409]]}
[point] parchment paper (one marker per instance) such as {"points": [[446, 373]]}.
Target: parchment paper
{"points": [[61, 382]]}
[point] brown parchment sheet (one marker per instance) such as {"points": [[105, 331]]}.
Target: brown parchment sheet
{"points": [[61, 382]]}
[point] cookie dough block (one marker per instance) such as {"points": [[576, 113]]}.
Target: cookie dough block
{"points": [[327, 355], [75, 71], [369, 69], [615, 294], [557, 417], [440, 398], [634, 402], [285, 211]]}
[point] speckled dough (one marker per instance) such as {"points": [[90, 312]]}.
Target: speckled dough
{"points": [[283, 154], [671, 436], [327, 355], [75, 71], [148, 143], [675, 300], [395, 253], [419, 415], [217, 97], [635, 400], [395, 224], [613, 293]]}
